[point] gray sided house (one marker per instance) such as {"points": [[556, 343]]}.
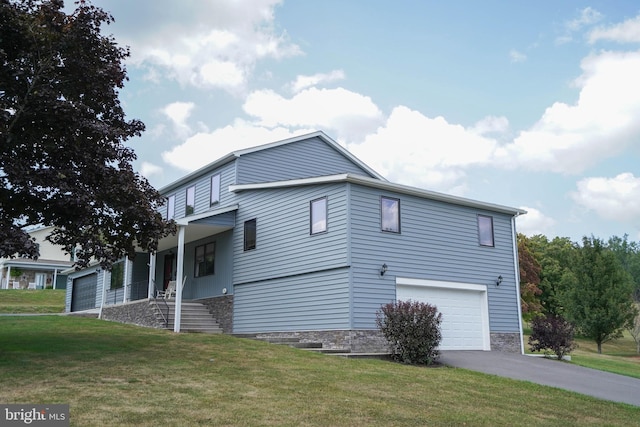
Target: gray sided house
{"points": [[300, 239]]}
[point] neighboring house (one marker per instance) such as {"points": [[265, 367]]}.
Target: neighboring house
{"points": [[45, 272], [300, 238]]}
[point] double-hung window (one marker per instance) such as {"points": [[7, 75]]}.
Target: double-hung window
{"points": [[215, 189], [390, 214], [171, 206], [205, 260], [250, 228], [191, 200], [485, 230], [318, 213]]}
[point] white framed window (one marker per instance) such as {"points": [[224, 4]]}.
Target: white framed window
{"points": [[171, 206], [390, 214], [191, 200], [215, 189], [318, 215], [485, 230]]}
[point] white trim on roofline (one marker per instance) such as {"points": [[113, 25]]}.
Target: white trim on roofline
{"points": [[382, 185], [238, 153]]}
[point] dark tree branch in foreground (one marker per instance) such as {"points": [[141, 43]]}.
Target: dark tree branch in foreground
{"points": [[63, 161]]}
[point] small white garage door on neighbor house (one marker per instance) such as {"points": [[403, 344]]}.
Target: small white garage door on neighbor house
{"points": [[464, 308]]}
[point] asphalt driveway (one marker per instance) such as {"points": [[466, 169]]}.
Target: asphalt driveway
{"points": [[602, 385]]}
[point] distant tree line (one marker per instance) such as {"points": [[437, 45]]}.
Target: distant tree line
{"points": [[594, 284]]}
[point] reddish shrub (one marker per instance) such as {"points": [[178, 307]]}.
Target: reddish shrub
{"points": [[412, 329]]}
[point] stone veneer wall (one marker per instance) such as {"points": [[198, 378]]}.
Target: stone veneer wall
{"points": [[222, 310], [136, 312], [505, 342], [355, 341], [372, 341]]}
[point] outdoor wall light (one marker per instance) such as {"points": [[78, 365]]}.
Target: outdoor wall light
{"points": [[383, 269], [499, 280]]}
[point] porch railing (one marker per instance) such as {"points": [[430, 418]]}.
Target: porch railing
{"points": [[137, 291]]}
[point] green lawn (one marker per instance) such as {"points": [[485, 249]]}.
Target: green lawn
{"points": [[618, 356], [32, 301], [123, 375]]}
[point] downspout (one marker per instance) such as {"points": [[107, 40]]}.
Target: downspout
{"points": [[152, 275], [517, 276], [179, 273]]}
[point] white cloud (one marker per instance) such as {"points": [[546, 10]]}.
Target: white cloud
{"points": [[204, 44], [148, 169], [303, 82], [626, 32], [178, 113], [534, 222], [205, 147], [347, 113], [417, 150], [587, 17], [517, 56], [491, 124], [616, 198], [570, 138]]}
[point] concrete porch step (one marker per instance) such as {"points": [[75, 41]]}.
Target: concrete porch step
{"points": [[195, 317]]}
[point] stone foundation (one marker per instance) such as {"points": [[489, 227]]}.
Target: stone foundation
{"points": [[355, 341], [136, 312], [505, 342], [222, 310]]}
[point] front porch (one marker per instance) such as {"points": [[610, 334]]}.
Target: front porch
{"points": [[212, 315]]}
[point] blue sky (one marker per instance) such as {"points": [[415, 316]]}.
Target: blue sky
{"points": [[528, 104]]}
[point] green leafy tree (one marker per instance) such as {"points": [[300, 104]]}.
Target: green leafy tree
{"points": [[63, 161], [634, 329], [555, 258], [597, 293], [628, 253]]}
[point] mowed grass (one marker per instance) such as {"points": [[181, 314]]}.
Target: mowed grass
{"points": [[18, 301], [122, 375]]}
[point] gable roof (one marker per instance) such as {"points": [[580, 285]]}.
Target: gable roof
{"points": [[239, 153], [382, 185]]}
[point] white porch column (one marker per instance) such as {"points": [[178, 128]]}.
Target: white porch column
{"points": [[125, 279], [55, 277], [104, 289], [8, 276], [179, 274], [152, 274]]}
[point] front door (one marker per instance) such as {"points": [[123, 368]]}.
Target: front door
{"points": [[169, 260]]}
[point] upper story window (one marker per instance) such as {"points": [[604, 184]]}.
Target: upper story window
{"points": [[318, 212], [485, 230], [191, 200], [390, 214], [250, 234], [205, 260], [117, 275], [215, 189], [171, 206]]}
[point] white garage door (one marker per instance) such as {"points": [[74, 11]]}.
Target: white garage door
{"points": [[464, 308]]}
